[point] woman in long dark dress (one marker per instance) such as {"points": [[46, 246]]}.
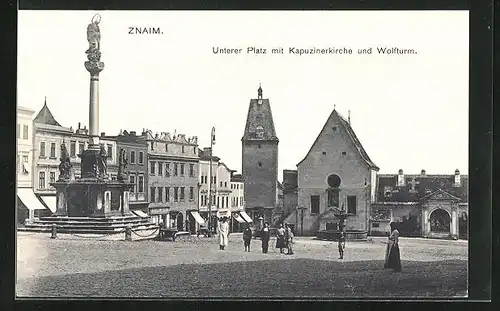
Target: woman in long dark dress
{"points": [[265, 236], [392, 256]]}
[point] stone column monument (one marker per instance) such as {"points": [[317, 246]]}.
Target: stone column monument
{"points": [[94, 194]]}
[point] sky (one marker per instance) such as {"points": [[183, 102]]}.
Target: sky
{"points": [[409, 111]]}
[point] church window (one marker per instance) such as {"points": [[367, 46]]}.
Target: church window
{"points": [[314, 204], [324, 152], [334, 128], [260, 164], [334, 181], [351, 204], [344, 153]]}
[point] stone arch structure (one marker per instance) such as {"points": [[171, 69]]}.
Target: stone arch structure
{"points": [[440, 215]]}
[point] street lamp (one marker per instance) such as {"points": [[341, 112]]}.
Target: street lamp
{"points": [[212, 142]]}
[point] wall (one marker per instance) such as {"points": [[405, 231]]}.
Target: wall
{"points": [[237, 193], [25, 147], [47, 164], [260, 182], [135, 168]]}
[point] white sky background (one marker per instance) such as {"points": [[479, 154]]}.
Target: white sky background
{"points": [[408, 111]]}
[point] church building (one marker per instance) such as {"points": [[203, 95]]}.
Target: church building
{"points": [[335, 177], [260, 161]]}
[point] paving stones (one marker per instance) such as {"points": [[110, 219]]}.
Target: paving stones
{"points": [[195, 267]]}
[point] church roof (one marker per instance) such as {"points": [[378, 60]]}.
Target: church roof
{"points": [[259, 114], [45, 116], [417, 187], [352, 136]]}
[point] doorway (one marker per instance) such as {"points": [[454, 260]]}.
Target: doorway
{"points": [[180, 222], [440, 221]]}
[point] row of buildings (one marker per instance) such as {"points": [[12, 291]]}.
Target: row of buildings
{"points": [[168, 172], [337, 178], [172, 183]]}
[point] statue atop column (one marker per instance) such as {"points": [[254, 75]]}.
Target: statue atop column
{"points": [[94, 64], [94, 39]]}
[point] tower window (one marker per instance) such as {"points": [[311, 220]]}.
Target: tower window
{"points": [[258, 146], [324, 153], [334, 128], [260, 164], [344, 153]]}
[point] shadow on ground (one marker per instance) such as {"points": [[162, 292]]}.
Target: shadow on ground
{"points": [[293, 278]]}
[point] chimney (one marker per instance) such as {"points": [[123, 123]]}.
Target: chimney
{"points": [[422, 172], [132, 133], [349, 117], [103, 134], [157, 136], [457, 178], [207, 151], [78, 125], [401, 178]]}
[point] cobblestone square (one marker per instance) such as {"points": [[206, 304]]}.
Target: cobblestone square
{"points": [[195, 267]]}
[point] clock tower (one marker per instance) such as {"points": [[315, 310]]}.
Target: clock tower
{"points": [[260, 160]]}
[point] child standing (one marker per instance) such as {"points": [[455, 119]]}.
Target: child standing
{"points": [[341, 243], [247, 238]]}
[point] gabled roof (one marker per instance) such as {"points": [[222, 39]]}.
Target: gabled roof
{"points": [[259, 114], [418, 186], [45, 116], [350, 133], [440, 194]]}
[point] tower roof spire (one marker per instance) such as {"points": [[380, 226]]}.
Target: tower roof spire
{"points": [[259, 91]]}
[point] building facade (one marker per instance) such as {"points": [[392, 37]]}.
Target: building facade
{"points": [[136, 152], [173, 179], [28, 205], [260, 160], [25, 147], [336, 176], [432, 206], [49, 136], [237, 202]]}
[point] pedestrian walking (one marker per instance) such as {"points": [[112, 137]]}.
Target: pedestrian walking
{"points": [[289, 239], [265, 236], [341, 244], [223, 229], [280, 239], [392, 255], [247, 237]]}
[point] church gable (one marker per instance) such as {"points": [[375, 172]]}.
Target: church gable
{"points": [[440, 195], [259, 124], [336, 140]]}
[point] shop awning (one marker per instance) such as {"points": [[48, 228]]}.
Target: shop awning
{"points": [[140, 214], [238, 218], [246, 217], [50, 201], [29, 199], [197, 217]]}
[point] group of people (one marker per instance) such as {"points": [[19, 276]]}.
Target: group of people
{"points": [[284, 240]]}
